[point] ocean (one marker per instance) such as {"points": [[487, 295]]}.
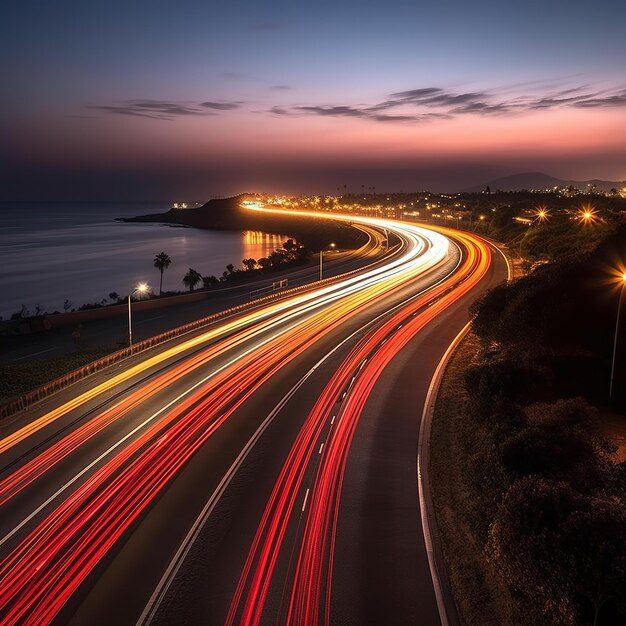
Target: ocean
{"points": [[53, 252]]}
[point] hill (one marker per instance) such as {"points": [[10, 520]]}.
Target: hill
{"points": [[228, 214], [539, 180]]}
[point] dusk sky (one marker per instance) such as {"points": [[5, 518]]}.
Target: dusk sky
{"points": [[156, 100]]}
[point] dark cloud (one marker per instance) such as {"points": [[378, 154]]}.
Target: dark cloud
{"points": [[332, 111], [614, 100], [481, 107], [394, 118], [416, 105], [155, 109], [370, 113], [416, 93], [430, 97], [221, 106], [164, 109]]}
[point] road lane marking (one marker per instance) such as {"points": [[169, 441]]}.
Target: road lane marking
{"points": [[135, 430], [183, 550], [306, 497], [321, 448]]}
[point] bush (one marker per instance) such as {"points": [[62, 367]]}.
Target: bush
{"points": [[503, 382]]}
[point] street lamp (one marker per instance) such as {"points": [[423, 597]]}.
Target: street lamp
{"points": [[619, 311], [332, 246], [541, 215], [587, 215], [140, 288]]}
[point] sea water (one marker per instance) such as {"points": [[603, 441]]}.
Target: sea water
{"points": [[53, 252]]}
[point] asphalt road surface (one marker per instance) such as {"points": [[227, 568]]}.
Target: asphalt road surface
{"points": [[259, 471]]}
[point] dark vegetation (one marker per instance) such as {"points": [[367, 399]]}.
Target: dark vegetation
{"points": [[292, 254], [545, 495], [17, 379]]}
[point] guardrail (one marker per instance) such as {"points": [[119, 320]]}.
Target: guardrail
{"points": [[275, 286], [11, 407]]}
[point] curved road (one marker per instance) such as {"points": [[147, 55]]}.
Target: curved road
{"points": [[259, 471]]}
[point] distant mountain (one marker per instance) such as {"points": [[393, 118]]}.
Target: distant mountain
{"points": [[538, 180]]}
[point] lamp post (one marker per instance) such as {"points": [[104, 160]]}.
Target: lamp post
{"points": [[619, 311], [332, 245], [141, 288]]}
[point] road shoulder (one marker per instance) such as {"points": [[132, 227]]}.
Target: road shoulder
{"points": [[478, 595]]}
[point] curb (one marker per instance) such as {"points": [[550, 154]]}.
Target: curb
{"points": [[443, 594], [446, 604]]}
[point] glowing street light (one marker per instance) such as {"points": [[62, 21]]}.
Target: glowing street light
{"points": [[140, 288], [587, 216], [332, 247], [541, 215]]}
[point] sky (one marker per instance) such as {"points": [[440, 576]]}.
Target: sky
{"points": [[152, 100]]}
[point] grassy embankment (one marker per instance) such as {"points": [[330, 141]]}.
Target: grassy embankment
{"points": [[528, 455], [17, 379]]}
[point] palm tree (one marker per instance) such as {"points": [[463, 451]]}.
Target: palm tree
{"points": [[162, 261], [191, 279]]}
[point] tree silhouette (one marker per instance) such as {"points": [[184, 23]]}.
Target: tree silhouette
{"points": [[191, 279], [249, 264], [210, 281], [162, 261]]}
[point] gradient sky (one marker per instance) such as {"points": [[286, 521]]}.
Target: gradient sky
{"points": [[160, 100]]}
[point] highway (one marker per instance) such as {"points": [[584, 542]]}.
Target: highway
{"points": [[261, 470]]}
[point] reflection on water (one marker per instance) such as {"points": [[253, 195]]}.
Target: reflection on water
{"points": [[52, 252], [259, 244]]}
